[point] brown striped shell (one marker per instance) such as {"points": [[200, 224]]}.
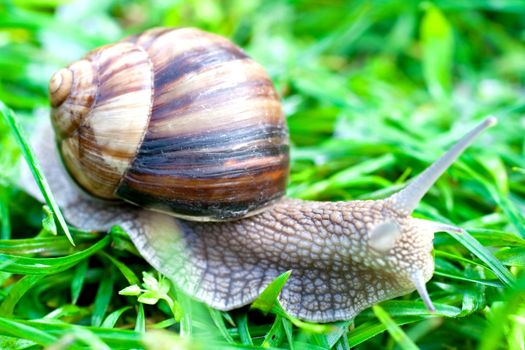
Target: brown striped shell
{"points": [[180, 121]]}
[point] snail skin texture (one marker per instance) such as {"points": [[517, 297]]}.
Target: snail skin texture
{"points": [[344, 256]]}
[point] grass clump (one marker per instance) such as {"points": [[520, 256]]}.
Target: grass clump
{"points": [[373, 92]]}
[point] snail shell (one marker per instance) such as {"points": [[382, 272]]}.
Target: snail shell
{"points": [[180, 121]]}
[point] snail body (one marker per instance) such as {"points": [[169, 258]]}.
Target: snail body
{"points": [[344, 256]]}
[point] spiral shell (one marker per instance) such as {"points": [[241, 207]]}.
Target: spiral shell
{"points": [[180, 121]]}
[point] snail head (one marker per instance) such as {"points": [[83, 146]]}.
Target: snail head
{"points": [[403, 243]]}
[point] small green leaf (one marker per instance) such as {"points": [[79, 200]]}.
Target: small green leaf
{"points": [[150, 282], [267, 298], [132, 290], [164, 286], [397, 308], [149, 297]]}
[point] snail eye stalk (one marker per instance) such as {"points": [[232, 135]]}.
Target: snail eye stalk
{"points": [[421, 288], [408, 198]]}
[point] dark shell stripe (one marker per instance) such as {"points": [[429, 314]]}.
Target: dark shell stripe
{"points": [[211, 190], [204, 206], [221, 171], [195, 61], [217, 143], [184, 156], [241, 139]]}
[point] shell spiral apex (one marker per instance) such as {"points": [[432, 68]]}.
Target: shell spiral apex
{"points": [[175, 120], [60, 86]]}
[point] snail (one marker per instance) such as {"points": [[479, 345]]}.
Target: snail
{"points": [[178, 136]]}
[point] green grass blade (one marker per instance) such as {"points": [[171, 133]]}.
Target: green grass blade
{"points": [[126, 271], [395, 331], [341, 329], [89, 338], [288, 330], [275, 335], [25, 331], [484, 255], [402, 308], [48, 245], [5, 229], [186, 322], [35, 169], [218, 320], [242, 326], [165, 324], [16, 292], [24, 265], [103, 297], [342, 343], [311, 327], [495, 284], [342, 178], [140, 323], [372, 328], [441, 253], [512, 256], [113, 317], [495, 238], [266, 300], [78, 280], [117, 338]]}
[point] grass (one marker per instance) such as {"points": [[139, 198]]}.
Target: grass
{"points": [[373, 91]]}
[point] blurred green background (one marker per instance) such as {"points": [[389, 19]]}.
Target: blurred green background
{"points": [[374, 91]]}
